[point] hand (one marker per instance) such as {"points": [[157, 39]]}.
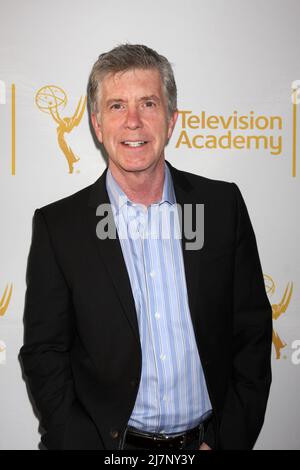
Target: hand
{"points": [[204, 447]]}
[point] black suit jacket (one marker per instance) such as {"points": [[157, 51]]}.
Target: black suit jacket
{"points": [[82, 352]]}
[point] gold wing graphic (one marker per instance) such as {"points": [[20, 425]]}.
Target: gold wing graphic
{"points": [[5, 300], [76, 118], [279, 309]]}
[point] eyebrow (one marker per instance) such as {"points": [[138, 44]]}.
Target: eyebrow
{"points": [[151, 97], [143, 98]]}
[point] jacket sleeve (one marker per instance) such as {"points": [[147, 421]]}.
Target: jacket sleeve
{"points": [[48, 333], [248, 390]]}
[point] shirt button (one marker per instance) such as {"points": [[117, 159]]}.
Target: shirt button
{"points": [[152, 273], [157, 315], [163, 357]]}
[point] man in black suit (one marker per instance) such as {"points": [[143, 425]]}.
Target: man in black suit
{"points": [[133, 342]]}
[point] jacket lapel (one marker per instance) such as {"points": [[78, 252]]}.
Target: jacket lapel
{"points": [[185, 195], [111, 254]]}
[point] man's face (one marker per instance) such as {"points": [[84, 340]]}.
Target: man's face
{"points": [[132, 121]]}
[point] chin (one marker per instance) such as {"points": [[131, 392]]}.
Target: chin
{"points": [[131, 165], [135, 168]]}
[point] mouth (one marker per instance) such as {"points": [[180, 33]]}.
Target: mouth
{"points": [[134, 143]]}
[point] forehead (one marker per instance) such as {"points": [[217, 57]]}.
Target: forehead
{"points": [[132, 82]]}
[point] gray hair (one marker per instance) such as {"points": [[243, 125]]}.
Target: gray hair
{"points": [[127, 57]]}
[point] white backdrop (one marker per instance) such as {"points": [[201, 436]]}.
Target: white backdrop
{"points": [[232, 57]]}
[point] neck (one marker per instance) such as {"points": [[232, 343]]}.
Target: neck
{"points": [[142, 187]]}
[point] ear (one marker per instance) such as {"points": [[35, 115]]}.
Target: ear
{"points": [[172, 123], [96, 127]]}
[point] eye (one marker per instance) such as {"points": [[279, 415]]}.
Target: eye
{"points": [[116, 106], [150, 104]]}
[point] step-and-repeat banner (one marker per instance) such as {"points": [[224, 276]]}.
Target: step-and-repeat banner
{"points": [[237, 68]]}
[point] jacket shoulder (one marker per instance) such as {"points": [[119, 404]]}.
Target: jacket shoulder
{"points": [[196, 179], [206, 186], [67, 212]]}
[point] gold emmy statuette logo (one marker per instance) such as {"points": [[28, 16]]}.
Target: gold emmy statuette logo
{"points": [[5, 299], [49, 99], [278, 310]]}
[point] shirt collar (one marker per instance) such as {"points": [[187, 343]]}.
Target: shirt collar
{"points": [[118, 198]]}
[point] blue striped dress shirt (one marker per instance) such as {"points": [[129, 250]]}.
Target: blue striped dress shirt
{"points": [[172, 395]]}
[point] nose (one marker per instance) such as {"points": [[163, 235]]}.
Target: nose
{"points": [[133, 119]]}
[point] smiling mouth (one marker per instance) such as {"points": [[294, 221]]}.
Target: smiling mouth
{"points": [[134, 143]]}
